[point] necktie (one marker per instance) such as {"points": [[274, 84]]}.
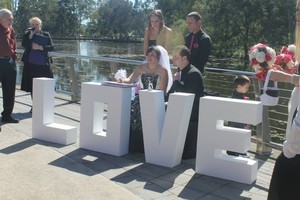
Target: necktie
{"points": [[179, 74], [179, 77], [192, 41]]}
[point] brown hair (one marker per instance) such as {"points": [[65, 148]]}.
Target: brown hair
{"points": [[196, 16], [241, 80], [157, 13], [183, 51]]}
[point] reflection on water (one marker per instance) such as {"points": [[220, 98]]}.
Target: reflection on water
{"points": [[97, 71], [87, 48], [93, 48]]}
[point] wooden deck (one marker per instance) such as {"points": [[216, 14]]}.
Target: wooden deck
{"points": [[146, 181]]}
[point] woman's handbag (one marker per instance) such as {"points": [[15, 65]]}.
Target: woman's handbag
{"points": [[269, 95]]}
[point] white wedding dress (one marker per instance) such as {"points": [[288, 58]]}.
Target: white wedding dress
{"points": [[164, 61]]}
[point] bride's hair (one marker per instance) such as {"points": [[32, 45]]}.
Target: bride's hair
{"points": [[155, 49]]}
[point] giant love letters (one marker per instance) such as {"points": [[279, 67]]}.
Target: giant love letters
{"points": [[213, 137], [115, 139], [164, 131], [43, 126]]}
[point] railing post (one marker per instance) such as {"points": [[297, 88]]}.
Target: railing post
{"points": [[113, 69], [263, 129], [73, 80]]}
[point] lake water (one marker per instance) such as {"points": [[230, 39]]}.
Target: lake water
{"points": [[92, 48]]}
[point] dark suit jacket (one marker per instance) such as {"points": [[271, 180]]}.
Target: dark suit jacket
{"points": [[191, 82], [200, 50]]}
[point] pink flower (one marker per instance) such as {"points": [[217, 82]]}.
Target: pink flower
{"points": [[285, 62], [268, 57], [284, 50], [254, 62], [196, 45], [261, 76], [289, 50]]}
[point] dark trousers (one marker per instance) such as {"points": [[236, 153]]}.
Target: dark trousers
{"points": [[8, 75], [190, 145], [285, 181]]}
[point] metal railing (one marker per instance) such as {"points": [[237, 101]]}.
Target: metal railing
{"points": [[70, 70]]}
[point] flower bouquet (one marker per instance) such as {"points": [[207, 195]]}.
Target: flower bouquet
{"points": [[262, 59], [284, 62], [289, 50], [120, 74]]}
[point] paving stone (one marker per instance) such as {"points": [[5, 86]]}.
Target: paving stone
{"points": [[128, 173]]}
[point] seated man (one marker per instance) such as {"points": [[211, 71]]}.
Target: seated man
{"points": [[188, 79]]}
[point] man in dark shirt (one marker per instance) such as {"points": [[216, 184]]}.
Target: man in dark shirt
{"points": [[189, 80], [8, 59], [197, 41]]}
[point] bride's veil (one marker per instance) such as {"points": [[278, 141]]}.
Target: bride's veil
{"points": [[164, 61]]}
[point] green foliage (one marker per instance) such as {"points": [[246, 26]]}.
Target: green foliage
{"points": [[178, 29], [61, 18], [67, 18], [6, 4], [117, 18], [234, 25], [31, 8], [174, 10]]}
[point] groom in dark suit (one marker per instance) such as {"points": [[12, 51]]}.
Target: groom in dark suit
{"points": [[188, 79]]}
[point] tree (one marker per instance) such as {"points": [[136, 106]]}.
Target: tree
{"points": [[39, 8], [235, 26], [14, 5], [61, 18], [117, 18], [66, 18], [83, 10], [173, 10], [6, 4]]}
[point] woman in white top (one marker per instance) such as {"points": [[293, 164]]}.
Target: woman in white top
{"points": [[285, 182]]}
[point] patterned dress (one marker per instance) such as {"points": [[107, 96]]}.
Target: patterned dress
{"points": [[136, 143]]}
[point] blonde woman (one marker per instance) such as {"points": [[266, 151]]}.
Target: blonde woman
{"points": [[37, 43]]}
